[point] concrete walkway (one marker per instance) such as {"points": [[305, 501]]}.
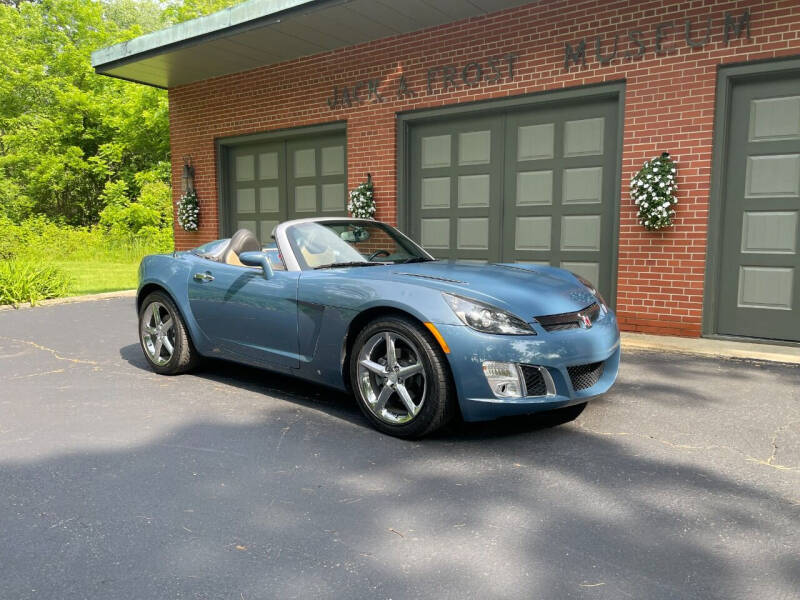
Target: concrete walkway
{"points": [[710, 347]]}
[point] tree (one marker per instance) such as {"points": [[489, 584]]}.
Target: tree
{"points": [[66, 133]]}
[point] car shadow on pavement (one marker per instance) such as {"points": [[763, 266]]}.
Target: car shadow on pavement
{"points": [[308, 506]]}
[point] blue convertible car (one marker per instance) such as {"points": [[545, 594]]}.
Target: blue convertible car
{"points": [[357, 305]]}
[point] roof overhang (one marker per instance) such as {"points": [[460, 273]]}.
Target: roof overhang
{"points": [[264, 32]]}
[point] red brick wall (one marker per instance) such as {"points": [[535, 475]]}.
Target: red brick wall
{"points": [[669, 105]]}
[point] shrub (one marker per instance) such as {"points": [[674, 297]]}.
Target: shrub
{"points": [[30, 281]]}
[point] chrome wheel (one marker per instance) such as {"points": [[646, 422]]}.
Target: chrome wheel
{"points": [[157, 330], [391, 377]]}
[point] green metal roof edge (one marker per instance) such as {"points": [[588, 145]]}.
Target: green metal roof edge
{"points": [[242, 16]]}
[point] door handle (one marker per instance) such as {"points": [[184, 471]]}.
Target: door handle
{"points": [[204, 277]]}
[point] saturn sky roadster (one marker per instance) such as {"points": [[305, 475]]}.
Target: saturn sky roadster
{"points": [[357, 305]]}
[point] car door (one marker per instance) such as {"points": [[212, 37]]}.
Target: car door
{"points": [[244, 314]]}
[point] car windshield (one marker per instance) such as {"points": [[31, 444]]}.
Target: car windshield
{"points": [[325, 244]]}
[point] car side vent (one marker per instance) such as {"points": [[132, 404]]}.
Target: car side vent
{"points": [[585, 376], [434, 277], [571, 320]]}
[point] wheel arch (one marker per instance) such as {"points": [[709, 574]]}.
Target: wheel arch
{"points": [[365, 317], [148, 289], [152, 286]]}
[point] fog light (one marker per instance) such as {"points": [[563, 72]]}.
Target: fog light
{"points": [[503, 378]]}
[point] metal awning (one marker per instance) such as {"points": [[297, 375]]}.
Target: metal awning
{"points": [[265, 32]]}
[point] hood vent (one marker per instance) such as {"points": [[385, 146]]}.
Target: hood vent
{"points": [[433, 277]]}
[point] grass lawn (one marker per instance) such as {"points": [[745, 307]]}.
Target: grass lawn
{"points": [[95, 276]]}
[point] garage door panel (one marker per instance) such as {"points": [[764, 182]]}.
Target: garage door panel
{"points": [[769, 232], [759, 287], [574, 187], [456, 186], [246, 200], [274, 181], [772, 176], [536, 142], [583, 185], [534, 186], [587, 269], [774, 119]]}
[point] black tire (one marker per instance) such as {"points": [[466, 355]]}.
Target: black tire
{"points": [[560, 416], [438, 405], [184, 357]]}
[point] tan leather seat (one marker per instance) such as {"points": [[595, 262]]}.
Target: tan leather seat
{"points": [[243, 240]]}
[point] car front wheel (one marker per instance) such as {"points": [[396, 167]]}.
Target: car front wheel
{"points": [[400, 378], [163, 336]]}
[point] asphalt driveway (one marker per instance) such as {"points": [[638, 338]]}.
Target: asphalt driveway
{"points": [[684, 482]]}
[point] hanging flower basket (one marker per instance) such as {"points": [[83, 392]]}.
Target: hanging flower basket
{"points": [[188, 211], [653, 192], [361, 204]]}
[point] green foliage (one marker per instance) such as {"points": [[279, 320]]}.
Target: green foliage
{"points": [[30, 281], [191, 9], [84, 159], [67, 133]]}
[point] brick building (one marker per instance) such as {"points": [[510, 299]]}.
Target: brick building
{"points": [[503, 130]]}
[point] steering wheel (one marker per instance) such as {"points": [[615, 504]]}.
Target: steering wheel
{"points": [[378, 253]]}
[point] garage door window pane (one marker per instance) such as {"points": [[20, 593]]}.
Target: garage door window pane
{"points": [[333, 197], [305, 164], [588, 270], [580, 232], [251, 225], [535, 142], [436, 192], [772, 232], [268, 165], [473, 190], [244, 168], [775, 119], [436, 151], [532, 233], [583, 186], [534, 187], [333, 160], [268, 200], [475, 148], [265, 228], [773, 176], [766, 287], [246, 200], [583, 137], [473, 234], [305, 198], [435, 233]]}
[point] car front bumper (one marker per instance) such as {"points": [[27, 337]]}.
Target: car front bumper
{"points": [[555, 351]]}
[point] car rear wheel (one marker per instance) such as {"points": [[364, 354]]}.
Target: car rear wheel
{"points": [[163, 336], [400, 378]]}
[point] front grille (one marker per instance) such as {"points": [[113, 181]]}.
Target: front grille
{"points": [[585, 376], [571, 320], [534, 381]]}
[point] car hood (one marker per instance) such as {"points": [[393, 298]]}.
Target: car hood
{"points": [[527, 291]]}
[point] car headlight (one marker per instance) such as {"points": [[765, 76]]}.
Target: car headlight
{"points": [[486, 318], [592, 288]]}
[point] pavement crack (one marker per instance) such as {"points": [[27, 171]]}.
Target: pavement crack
{"points": [[690, 447], [56, 354], [30, 375], [774, 443]]}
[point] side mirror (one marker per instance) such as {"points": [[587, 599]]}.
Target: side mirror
{"points": [[257, 259]]}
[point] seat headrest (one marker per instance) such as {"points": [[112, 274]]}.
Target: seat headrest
{"points": [[243, 240]]}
